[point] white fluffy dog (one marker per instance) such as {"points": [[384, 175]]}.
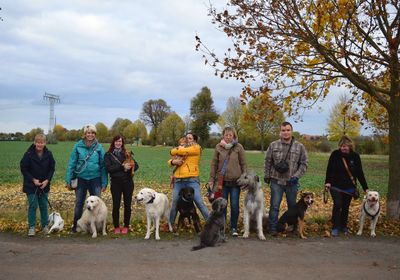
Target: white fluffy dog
{"points": [[156, 208], [56, 223], [371, 209], [94, 218]]}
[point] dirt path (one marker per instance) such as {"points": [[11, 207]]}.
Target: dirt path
{"points": [[282, 258]]}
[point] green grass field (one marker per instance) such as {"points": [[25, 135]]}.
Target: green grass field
{"points": [[154, 172], [154, 169]]}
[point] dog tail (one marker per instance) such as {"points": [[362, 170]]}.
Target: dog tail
{"points": [[195, 248]]}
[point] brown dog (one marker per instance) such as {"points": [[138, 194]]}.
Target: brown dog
{"points": [[294, 216], [129, 159]]}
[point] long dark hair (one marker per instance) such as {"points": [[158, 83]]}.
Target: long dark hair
{"points": [[112, 146]]}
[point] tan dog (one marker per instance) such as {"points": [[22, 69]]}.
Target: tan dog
{"points": [[94, 218], [129, 159], [370, 208]]}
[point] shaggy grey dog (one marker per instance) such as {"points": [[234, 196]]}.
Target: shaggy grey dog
{"points": [[214, 229], [254, 211]]}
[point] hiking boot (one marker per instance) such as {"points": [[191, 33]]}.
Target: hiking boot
{"points": [[335, 232], [45, 230], [234, 233], [124, 230], [31, 231]]}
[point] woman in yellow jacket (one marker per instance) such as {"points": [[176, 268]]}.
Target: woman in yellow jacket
{"points": [[187, 174]]}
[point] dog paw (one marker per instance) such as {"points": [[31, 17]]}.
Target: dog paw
{"points": [[157, 238], [147, 237], [261, 237], [94, 235], [104, 233], [359, 233], [373, 234], [246, 235]]}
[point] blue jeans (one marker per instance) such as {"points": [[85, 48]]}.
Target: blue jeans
{"points": [[234, 193], [277, 191], [35, 200], [94, 188], [198, 200]]}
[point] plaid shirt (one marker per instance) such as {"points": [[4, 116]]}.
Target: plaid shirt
{"points": [[297, 159]]}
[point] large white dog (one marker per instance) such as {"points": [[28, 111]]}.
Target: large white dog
{"points": [[156, 208], [56, 223], [253, 204], [94, 218], [370, 208]]}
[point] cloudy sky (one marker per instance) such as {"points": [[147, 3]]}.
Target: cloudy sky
{"points": [[106, 58]]}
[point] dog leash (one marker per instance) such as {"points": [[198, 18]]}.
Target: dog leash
{"points": [[325, 193], [41, 192]]}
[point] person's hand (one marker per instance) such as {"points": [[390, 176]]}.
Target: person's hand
{"points": [[294, 181], [44, 184], [36, 182], [267, 180], [327, 186], [127, 166], [177, 162]]}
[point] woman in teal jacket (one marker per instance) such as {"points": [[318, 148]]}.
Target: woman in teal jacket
{"points": [[86, 163]]}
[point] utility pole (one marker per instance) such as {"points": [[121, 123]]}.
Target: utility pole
{"points": [[52, 99]]}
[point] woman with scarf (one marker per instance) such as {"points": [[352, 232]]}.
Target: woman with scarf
{"points": [[228, 163], [121, 181]]}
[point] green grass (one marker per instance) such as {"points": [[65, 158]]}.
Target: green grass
{"points": [[153, 167]]}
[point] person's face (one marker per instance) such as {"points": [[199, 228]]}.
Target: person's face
{"points": [[118, 143], [190, 138], [39, 145], [90, 135], [286, 132], [345, 149], [228, 136]]}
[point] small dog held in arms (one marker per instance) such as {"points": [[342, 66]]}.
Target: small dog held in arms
{"points": [[294, 216], [156, 207], [94, 218], [187, 209], [254, 211], [214, 230], [370, 208], [56, 223], [129, 159]]}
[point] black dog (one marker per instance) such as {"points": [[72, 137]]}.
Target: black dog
{"points": [[294, 216], [187, 209], [214, 229]]}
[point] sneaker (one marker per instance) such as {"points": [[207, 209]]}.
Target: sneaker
{"points": [[73, 230], [31, 231], [345, 231], [117, 230], [124, 230], [234, 233], [335, 232], [45, 230]]}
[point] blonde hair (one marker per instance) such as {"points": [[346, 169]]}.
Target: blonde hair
{"points": [[228, 128], [345, 140], [38, 137]]}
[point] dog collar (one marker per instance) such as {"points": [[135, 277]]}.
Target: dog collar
{"points": [[185, 199], [151, 200], [369, 214]]}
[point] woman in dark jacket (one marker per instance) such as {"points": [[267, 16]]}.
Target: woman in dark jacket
{"points": [[121, 181], [341, 184], [37, 167]]}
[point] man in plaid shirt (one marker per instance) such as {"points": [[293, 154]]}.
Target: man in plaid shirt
{"points": [[293, 152]]}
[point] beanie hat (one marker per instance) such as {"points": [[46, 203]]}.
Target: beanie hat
{"points": [[89, 127]]}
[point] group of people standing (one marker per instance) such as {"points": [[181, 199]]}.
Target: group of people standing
{"points": [[285, 163]]}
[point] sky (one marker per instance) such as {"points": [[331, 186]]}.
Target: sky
{"points": [[106, 58]]}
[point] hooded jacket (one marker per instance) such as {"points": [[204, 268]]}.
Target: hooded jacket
{"points": [[35, 167], [94, 166], [190, 165]]}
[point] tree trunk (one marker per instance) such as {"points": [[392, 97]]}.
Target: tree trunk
{"points": [[393, 198]]}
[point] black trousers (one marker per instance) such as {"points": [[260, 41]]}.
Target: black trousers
{"points": [[118, 189], [340, 211]]}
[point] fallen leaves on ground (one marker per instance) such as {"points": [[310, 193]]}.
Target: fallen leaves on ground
{"points": [[13, 206]]}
